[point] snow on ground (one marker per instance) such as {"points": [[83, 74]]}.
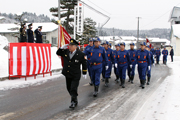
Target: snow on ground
{"points": [[164, 104], [21, 83]]}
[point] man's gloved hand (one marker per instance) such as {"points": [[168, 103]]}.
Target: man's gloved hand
{"points": [[84, 76], [64, 46], [116, 65], [107, 67], [149, 67], [130, 66]]}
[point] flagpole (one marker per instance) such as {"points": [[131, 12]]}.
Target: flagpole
{"points": [[59, 22], [75, 22]]}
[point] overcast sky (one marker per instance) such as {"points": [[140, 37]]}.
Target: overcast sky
{"points": [[123, 13]]}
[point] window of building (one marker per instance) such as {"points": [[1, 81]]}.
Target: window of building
{"points": [[177, 22], [54, 40]]}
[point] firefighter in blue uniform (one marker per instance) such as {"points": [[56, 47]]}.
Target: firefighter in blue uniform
{"points": [[132, 54], [109, 45], [165, 54], [30, 34], [98, 54], [152, 50], [116, 72], [109, 53], [152, 62], [88, 53], [122, 59], [143, 61], [158, 54], [38, 34]]}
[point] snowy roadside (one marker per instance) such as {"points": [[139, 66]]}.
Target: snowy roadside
{"points": [[21, 83], [164, 103]]}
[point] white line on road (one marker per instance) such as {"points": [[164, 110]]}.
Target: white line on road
{"points": [[105, 108], [159, 79], [93, 116], [86, 84]]}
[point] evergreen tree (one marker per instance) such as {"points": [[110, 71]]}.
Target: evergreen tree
{"points": [[67, 12], [89, 30]]}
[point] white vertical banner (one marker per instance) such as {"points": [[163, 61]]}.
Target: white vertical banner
{"points": [[80, 18]]}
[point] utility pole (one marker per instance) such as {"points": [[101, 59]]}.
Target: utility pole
{"points": [[137, 44], [59, 14]]}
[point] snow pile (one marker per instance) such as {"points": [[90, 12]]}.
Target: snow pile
{"points": [[4, 57], [55, 60], [3, 41], [21, 83]]}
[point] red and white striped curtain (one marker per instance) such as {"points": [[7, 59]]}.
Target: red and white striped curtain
{"points": [[29, 59]]}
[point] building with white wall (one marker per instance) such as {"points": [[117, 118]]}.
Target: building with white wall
{"points": [[49, 31]]}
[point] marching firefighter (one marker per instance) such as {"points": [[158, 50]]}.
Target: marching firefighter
{"points": [[132, 54], [109, 53], [30, 34], [87, 52], [98, 55], [116, 72], [123, 59], [158, 54], [143, 61], [73, 59], [152, 62], [165, 54]]}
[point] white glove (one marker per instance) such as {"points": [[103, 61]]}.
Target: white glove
{"points": [[130, 66], [149, 67], [107, 67], [64, 46], [115, 65], [112, 65], [154, 64], [84, 76]]}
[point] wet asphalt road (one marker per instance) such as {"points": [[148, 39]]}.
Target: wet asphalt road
{"points": [[51, 99]]}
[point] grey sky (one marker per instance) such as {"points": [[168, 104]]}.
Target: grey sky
{"points": [[123, 13]]}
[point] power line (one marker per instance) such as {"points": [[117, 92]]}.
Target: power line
{"points": [[159, 17], [99, 7]]}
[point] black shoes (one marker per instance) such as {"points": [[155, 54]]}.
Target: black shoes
{"points": [[148, 80], [106, 82], [74, 102], [123, 82], [95, 91]]}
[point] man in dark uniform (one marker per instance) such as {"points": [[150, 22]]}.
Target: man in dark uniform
{"points": [[30, 34], [38, 35], [73, 59], [158, 54], [23, 33], [172, 54]]}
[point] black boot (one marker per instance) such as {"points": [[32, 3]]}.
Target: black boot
{"points": [[103, 79], [120, 82], [95, 91], [129, 79], [140, 83], [106, 82], [74, 102], [148, 80], [132, 78], [123, 82], [91, 83], [143, 84]]}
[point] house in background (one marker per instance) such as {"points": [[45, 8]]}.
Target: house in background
{"points": [[49, 31], [175, 30]]}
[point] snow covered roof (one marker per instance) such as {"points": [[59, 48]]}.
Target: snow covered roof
{"points": [[128, 37], [156, 40], [1, 17], [109, 38], [176, 30], [174, 13], [46, 27]]}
